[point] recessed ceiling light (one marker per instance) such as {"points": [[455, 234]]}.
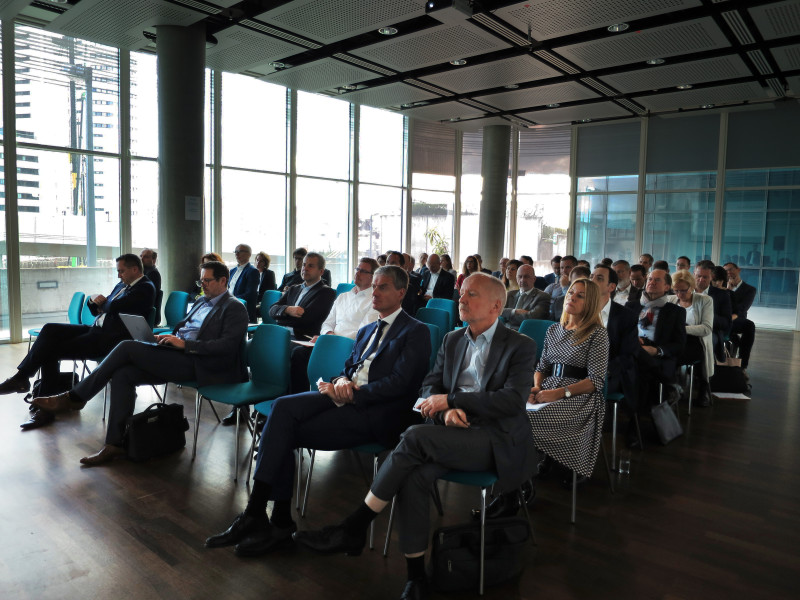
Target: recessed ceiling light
{"points": [[685, 86], [656, 61], [458, 62], [616, 28], [586, 120], [387, 30], [407, 105], [707, 106], [277, 65], [349, 87], [553, 105], [454, 119], [511, 86]]}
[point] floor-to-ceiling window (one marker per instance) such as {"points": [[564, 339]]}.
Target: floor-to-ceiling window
{"points": [[144, 151]]}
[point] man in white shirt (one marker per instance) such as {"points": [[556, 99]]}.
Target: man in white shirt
{"points": [[350, 312], [435, 282], [559, 288], [625, 289]]}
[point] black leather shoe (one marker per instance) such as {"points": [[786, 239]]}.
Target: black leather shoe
{"points": [[265, 540], [332, 539], [242, 527], [38, 418], [230, 418], [416, 589], [15, 385], [504, 505]]}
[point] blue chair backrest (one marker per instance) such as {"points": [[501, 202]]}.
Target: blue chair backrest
{"points": [[436, 342], [444, 304], [175, 309], [151, 317], [536, 329], [344, 287], [328, 357], [87, 318], [270, 297], [435, 316], [268, 355], [75, 306]]}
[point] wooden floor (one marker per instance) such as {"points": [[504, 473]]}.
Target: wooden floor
{"points": [[716, 514]]}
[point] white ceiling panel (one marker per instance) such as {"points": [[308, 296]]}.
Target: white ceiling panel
{"points": [[432, 46], [394, 94], [638, 46], [520, 69], [443, 111], [239, 49], [777, 20], [694, 98], [120, 23], [601, 110], [538, 96], [325, 74], [553, 18], [666, 76]]}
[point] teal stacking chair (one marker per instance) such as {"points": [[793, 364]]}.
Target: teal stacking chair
{"points": [[344, 287], [435, 316], [436, 342], [270, 297], [450, 306], [174, 311], [268, 356], [536, 329], [73, 315], [87, 318]]}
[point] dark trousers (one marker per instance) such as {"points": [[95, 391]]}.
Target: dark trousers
{"points": [[299, 369], [747, 329], [653, 370], [131, 364], [62, 341], [308, 420], [424, 454]]}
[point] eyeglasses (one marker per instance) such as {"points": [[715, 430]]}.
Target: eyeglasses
{"points": [[202, 282], [358, 270], [677, 291], [239, 251]]}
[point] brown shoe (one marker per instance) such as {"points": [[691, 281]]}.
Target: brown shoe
{"points": [[58, 404], [15, 385], [106, 454]]}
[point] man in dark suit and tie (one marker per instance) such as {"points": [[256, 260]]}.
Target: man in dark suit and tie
{"points": [[371, 401], [244, 280], [204, 347], [411, 299], [723, 310], [743, 296], [527, 302], [476, 397], [436, 283], [134, 294]]}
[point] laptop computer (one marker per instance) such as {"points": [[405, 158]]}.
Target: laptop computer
{"points": [[140, 329]]}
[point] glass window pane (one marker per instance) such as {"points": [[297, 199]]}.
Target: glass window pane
{"points": [[247, 142], [381, 152], [681, 181], [74, 91], [470, 216], [623, 183], [144, 105], [144, 204], [782, 244], [323, 136], [746, 178], [622, 203], [542, 221], [5, 333], [669, 235], [745, 200], [784, 177], [432, 222], [322, 223], [58, 238], [255, 214], [783, 199], [743, 238], [380, 221]]}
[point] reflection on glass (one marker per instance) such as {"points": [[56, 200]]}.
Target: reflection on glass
{"points": [[431, 222], [323, 136], [144, 105], [470, 215], [381, 152], [681, 181], [144, 204], [380, 222], [322, 223]]}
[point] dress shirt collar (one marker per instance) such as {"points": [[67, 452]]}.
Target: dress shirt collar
{"points": [[391, 318], [486, 335], [305, 286], [736, 287], [135, 282], [605, 312]]}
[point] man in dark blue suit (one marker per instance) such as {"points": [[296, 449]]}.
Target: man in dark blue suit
{"points": [[134, 294], [723, 310], [436, 282], [244, 280], [369, 402]]}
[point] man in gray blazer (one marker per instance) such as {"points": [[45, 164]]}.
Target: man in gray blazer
{"points": [[476, 396], [204, 347], [527, 302]]}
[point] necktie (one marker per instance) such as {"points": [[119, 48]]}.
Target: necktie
{"points": [[374, 345], [520, 299]]}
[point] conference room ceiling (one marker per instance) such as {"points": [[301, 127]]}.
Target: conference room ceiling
{"points": [[469, 64]]}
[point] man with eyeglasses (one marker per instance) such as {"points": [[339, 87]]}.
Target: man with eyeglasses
{"points": [[204, 347], [244, 280], [351, 311]]}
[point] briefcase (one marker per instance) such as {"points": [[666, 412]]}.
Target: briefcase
{"points": [[729, 379], [455, 554], [158, 430]]}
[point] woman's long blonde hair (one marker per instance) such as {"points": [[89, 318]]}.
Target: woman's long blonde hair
{"points": [[590, 319]]}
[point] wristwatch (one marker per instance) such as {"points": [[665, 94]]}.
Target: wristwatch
{"points": [[567, 393]]}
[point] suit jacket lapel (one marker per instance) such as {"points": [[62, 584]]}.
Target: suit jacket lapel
{"points": [[459, 348], [397, 326], [495, 350]]}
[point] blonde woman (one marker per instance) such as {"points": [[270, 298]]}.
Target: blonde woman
{"points": [[699, 327]]}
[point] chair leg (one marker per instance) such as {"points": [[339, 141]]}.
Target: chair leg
{"points": [[483, 539], [105, 400], [214, 410], [198, 403], [638, 431], [574, 495], [236, 448], [608, 469], [389, 529], [372, 523], [250, 454], [299, 478], [690, 368], [614, 437], [308, 483], [524, 506]]}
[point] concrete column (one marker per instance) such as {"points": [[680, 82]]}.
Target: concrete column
{"points": [[181, 62], [494, 169]]}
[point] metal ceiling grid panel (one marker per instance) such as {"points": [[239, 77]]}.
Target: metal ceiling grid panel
{"points": [[666, 76], [539, 96], [10, 8], [238, 49], [220, 3], [394, 94], [325, 74], [476, 124], [553, 18], [120, 24], [777, 20], [334, 20], [697, 98], [601, 110], [794, 85], [636, 46], [787, 57], [443, 112], [432, 46], [520, 69]]}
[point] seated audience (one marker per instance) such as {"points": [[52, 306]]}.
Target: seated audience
{"points": [[205, 347], [382, 260], [471, 266], [479, 424], [509, 278], [244, 280], [411, 297], [502, 268], [480, 264], [661, 265], [683, 263], [266, 277], [584, 263], [555, 265], [638, 278], [149, 268], [557, 305], [527, 302], [743, 296], [436, 282], [625, 289], [646, 260], [723, 310], [559, 288], [304, 307], [447, 265], [423, 263], [607, 261]]}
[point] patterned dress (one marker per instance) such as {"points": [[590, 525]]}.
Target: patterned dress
{"points": [[570, 430]]}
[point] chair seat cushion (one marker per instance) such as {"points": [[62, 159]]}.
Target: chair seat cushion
{"points": [[478, 478], [242, 394]]}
